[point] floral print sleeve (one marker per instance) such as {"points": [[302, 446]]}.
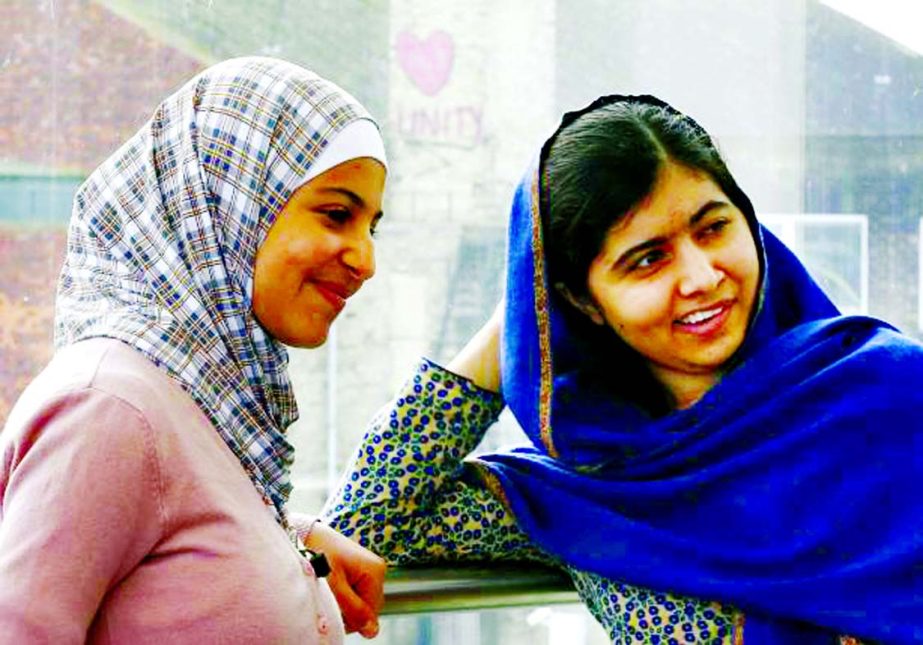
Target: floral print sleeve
{"points": [[408, 493], [410, 496], [633, 615]]}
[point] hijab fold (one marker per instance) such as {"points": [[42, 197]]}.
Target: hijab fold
{"points": [[163, 237], [790, 490]]}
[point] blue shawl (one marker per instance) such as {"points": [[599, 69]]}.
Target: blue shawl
{"points": [[793, 489]]}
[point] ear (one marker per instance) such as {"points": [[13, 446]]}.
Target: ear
{"points": [[584, 304]]}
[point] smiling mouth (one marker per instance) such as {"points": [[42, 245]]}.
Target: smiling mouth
{"points": [[332, 295], [698, 317], [705, 321]]}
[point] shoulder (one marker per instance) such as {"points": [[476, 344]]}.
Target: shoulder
{"points": [[435, 384], [63, 424], [101, 386], [121, 371], [873, 345]]}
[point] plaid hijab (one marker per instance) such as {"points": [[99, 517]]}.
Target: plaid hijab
{"points": [[164, 234]]}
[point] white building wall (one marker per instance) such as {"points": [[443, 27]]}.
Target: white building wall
{"points": [[474, 87], [471, 96]]}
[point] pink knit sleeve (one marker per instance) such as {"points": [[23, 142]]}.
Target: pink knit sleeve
{"points": [[80, 507]]}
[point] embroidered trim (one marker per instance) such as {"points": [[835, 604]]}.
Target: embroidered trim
{"points": [[492, 483], [739, 629], [543, 323]]}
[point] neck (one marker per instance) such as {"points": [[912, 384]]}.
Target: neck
{"points": [[686, 389]]}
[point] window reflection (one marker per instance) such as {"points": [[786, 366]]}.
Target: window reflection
{"points": [[821, 117]]}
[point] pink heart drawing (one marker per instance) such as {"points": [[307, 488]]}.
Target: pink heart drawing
{"points": [[427, 62]]}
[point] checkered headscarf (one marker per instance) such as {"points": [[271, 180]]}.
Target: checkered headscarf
{"points": [[164, 234]]}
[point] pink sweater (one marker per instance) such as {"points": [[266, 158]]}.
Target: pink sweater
{"points": [[124, 518]]}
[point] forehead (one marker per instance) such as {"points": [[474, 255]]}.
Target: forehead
{"points": [[353, 170], [680, 187], [365, 177], [678, 195]]}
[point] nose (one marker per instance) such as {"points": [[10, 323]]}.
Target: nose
{"points": [[698, 272], [359, 257]]}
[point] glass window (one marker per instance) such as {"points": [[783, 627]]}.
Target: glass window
{"points": [[834, 247], [817, 106]]}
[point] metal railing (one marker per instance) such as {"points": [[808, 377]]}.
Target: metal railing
{"points": [[411, 590]]}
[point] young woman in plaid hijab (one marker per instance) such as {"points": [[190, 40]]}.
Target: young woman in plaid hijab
{"points": [[145, 472]]}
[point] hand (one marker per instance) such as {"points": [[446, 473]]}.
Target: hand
{"points": [[479, 359], [356, 578]]}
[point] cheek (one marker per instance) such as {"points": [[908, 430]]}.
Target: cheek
{"points": [[304, 256], [746, 267], [634, 308], [277, 274]]}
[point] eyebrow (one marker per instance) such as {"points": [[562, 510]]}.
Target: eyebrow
{"points": [[354, 198], [654, 242], [706, 208]]}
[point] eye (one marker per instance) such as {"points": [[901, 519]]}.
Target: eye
{"points": [[373, 229], [715, 226], [647, 260], [337, 215]]}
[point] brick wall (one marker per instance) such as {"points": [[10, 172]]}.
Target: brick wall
{"points": [[77, 80]]}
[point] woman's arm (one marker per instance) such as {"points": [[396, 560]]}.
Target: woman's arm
{"points": [[479, 359], [80, 507], [356, 575], [408, 494]]}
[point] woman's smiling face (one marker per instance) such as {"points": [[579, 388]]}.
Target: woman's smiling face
{"points": [[318, 252], [677, 279]]}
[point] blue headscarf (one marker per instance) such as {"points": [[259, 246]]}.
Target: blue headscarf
{"points": [[793, 489]]}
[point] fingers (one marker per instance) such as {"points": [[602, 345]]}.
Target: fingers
{"points": [[370, 630], [356, 579], [358, 616], [370, 588], [370, 585]]}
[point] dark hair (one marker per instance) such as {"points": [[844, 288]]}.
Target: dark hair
{"points": [[605, 159], [601, 162]]}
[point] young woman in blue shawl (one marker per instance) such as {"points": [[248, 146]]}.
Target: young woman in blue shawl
{"points": [[703, 421]]}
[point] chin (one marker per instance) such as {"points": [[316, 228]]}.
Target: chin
{"points": [[308, 340], [313, 342]]}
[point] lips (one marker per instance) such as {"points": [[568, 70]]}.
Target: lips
{"points": [[701, 315], [334, 293], [705, 321]]}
